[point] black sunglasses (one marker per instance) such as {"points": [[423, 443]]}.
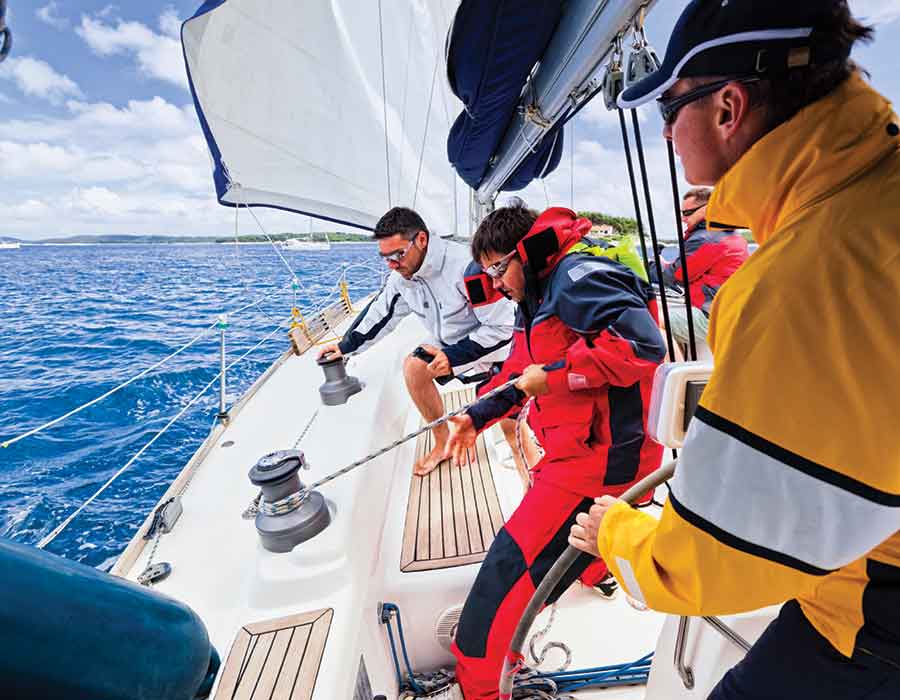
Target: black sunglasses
{"points": [[685, 213], [669, 108]]}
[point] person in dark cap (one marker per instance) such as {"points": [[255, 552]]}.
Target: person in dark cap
{"points": [[788, 485]]}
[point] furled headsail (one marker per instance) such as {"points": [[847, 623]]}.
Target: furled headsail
{"points": [[568, 75], [334, 109]]}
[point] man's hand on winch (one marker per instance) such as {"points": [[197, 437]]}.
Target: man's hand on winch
{"points": [[332, 349], [583, 534], [462, 438]]}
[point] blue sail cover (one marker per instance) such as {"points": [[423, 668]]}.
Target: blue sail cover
{"points": [[492, 48]]}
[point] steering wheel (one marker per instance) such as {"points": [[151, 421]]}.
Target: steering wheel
{"points": [[515, 659]]}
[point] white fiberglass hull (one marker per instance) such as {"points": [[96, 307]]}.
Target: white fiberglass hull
{"points": [[220, 569]]}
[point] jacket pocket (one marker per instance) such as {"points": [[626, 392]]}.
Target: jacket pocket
{"points": [[567, 428]]}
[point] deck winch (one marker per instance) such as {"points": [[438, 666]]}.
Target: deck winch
{"points": [[288, 513], [338, 386]]}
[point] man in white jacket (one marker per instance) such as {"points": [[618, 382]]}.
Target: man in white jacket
{"points": [[428, 280]]}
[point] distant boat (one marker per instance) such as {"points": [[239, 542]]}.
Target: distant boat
{"points": [[306, 244], [10, 245]]}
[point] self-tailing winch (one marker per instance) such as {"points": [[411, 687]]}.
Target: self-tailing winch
{"points": [[338, 386], [288, 513]]}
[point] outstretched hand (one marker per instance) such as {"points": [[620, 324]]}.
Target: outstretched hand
{"points": [[583, 534], [462, 438]]}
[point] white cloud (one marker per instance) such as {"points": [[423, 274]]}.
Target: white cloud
{"points": [[46, 164], [49, 14], [596, 114], [28, 210], [876, 11], [142, 167], [170, 23], [36, 78], [158, 56]]}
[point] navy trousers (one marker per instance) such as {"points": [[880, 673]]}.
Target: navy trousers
{"points": [[792, 660]]}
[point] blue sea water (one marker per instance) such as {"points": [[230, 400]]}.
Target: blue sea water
{"points": [[76, 321]]}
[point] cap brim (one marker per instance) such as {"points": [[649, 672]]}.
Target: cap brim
{"points": [[656, 84], [647, 89]]}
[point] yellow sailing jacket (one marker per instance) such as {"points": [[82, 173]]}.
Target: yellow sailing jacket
{"points": [[788, 485]]}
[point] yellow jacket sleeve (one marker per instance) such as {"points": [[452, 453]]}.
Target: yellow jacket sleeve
{"points": [[677, 568]]}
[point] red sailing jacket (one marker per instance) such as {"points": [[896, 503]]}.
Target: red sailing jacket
{"points": [[712, 257], [594, 320]]}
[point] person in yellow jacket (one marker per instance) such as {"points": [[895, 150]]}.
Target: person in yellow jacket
{"points": [[788, 485]]}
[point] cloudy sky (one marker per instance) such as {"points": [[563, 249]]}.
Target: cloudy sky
{"points": [[98, 133]]}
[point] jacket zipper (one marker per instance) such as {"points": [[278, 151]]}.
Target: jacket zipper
{"points": [[437, 312]]}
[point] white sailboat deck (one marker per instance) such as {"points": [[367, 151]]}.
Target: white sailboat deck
{"points": [[220, 569]]}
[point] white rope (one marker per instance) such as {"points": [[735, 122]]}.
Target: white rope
{"points": [[112, 391], [65, 523]]}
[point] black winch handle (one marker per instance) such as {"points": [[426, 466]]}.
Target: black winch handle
{"points": [[515, 659]]}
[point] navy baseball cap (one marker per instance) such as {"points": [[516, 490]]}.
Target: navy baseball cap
{"points": [[740, 38]]}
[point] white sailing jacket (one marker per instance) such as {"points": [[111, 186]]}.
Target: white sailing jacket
{"points": [[437, 295]]}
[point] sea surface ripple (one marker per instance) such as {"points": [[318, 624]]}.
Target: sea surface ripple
{"points": [[75, 321]]}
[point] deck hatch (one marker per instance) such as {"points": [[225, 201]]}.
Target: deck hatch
{"points": [[276, 659], [452, 514]]}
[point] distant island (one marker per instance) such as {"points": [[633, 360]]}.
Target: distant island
{"points": [[605, 223]]}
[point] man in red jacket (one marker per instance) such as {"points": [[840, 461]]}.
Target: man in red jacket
{"points": [[712, 257], [591, 322]]}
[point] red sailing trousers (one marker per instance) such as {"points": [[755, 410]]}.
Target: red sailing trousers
{"points": [[521, 555]]}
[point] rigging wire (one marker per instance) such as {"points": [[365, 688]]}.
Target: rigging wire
{"points": [[237, 256], [682, 252], [409, 34], [112, 391], [68, 520], [387, 146], [670, 343], [634, 192], [294, 276], [425, 135], [572, 166]]}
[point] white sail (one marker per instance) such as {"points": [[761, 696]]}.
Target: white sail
{"points": [[291, 96]]}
